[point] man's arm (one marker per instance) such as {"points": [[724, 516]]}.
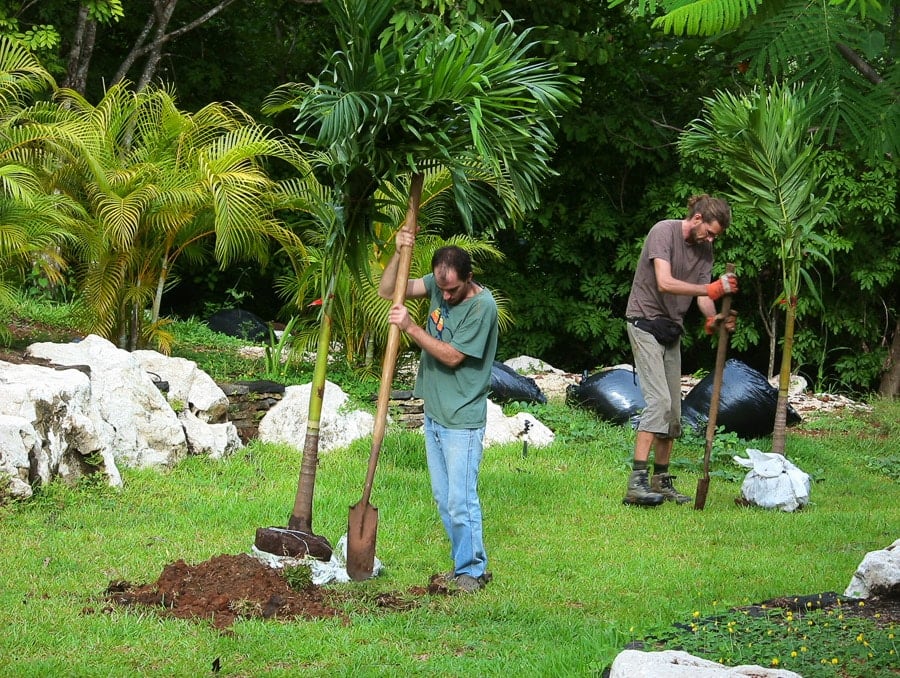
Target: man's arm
{"points": [[439, 350], [706, 305], [668, 284], [415, 287]]}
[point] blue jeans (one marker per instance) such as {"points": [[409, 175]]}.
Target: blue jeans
{"points": [[454, 457]]}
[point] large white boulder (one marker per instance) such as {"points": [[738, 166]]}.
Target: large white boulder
{"points": [[677, 664], [878, 575], [215, 441], [147, 431], [49, 427], [338, 425], [190, 388], [521, 427], [18, 443]]}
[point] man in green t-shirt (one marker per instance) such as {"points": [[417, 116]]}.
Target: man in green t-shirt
{"points": [[458, 342]]}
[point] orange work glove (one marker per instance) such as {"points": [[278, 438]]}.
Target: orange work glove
{"points": [[727, 284], [712, 322]]}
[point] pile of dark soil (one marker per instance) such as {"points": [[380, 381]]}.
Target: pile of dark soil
{"points": [[221, 590], [228, 587]]}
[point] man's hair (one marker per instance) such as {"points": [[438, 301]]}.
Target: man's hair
{"points": [[711, 209], [453, 257]]}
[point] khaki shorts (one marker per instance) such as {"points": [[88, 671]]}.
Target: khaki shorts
{"points": [[659, 370]]}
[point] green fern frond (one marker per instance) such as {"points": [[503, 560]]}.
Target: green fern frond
{"points": [[707, 17]]}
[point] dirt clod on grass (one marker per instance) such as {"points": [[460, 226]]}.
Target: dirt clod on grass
{"points": [[223, 589], [230, 587]]}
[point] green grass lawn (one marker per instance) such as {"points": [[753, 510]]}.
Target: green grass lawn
{"points": [[577, 575]]}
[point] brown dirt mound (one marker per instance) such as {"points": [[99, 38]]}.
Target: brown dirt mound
{"points": [[222, 589], [228, 587]]}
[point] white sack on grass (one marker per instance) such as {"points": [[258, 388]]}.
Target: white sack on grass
{"points": [[773, 481], [335, 570]]}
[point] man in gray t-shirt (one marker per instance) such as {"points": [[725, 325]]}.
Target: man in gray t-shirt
{"points": [[674, 267]]}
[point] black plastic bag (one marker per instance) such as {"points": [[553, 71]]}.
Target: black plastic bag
{"points": [[747, 403], [613, 394], [508, 386], [236, 322]]}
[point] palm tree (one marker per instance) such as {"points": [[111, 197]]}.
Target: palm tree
{"points": [[763, 143], [155, 184], [398, 100], [32, 219], [359, 314]]}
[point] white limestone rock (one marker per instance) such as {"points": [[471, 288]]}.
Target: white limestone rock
{"points": [[878, 575], [286, 421]]}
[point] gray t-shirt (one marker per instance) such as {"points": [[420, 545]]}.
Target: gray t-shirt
{"points": [[457, 398], [690, 263]]}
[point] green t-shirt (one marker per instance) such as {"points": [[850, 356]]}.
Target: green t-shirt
{"points": [[457, 398]]}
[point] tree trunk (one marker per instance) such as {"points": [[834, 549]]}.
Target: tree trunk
{"points": [[160, 287], [301, 517], [81, 52], [890, 378], [160, 18], [770, 323], [779, 432], [163, 10], [136, 50]]}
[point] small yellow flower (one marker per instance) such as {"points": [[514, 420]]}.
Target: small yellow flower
{"points": [[835, 661], [696, 613], [803, 648], [793, 653], [860, 638], [775, 661]]}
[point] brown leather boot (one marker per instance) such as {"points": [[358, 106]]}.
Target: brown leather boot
{"points": [[639, 492], [662, 483]]}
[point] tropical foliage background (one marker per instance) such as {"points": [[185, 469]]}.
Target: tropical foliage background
{"points": [[90, 202]]}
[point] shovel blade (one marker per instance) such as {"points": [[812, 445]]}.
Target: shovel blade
{"points": [[362, 527], [702, 491]]}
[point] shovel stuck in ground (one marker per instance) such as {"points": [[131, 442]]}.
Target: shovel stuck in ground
{"points": [[703, 483], [362, 525]]}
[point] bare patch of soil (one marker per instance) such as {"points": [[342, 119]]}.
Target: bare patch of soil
{"points": [[230, 587], [882, 611], [23, 333]]}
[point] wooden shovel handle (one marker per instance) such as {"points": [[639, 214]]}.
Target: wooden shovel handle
{"points": [[393, 342], [717, 377]]}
